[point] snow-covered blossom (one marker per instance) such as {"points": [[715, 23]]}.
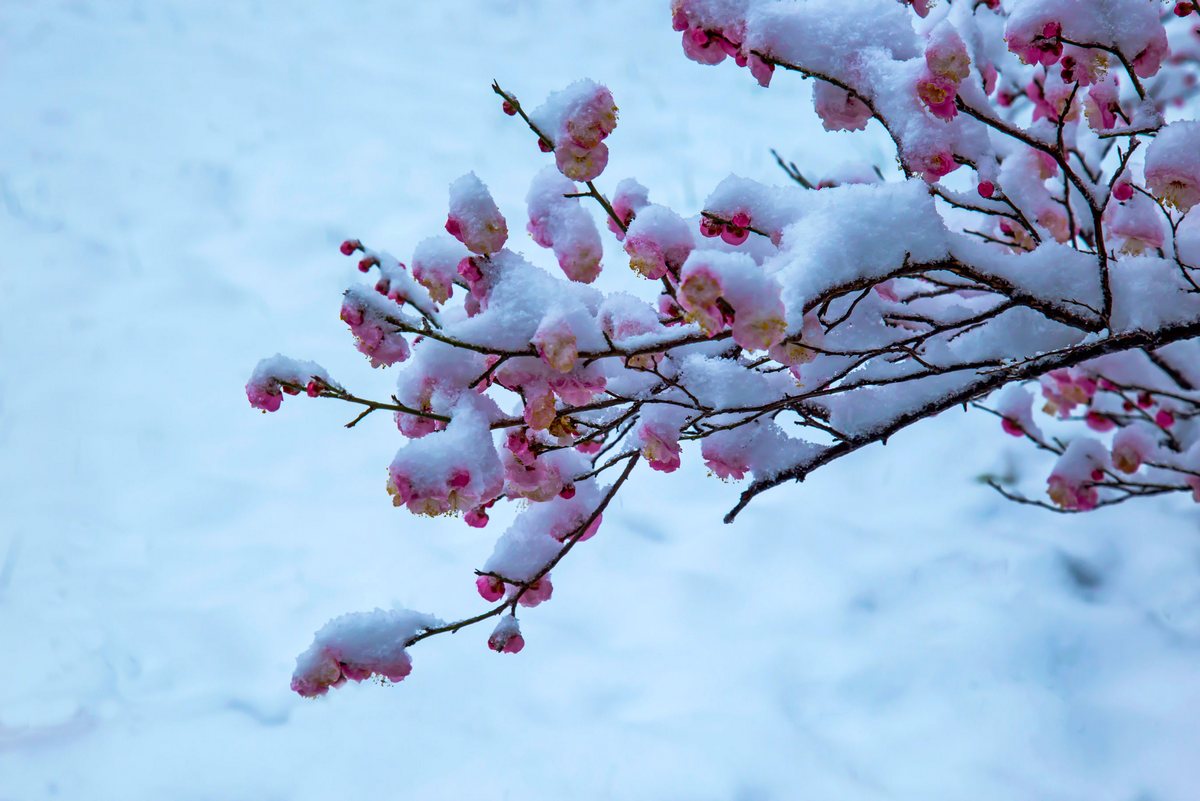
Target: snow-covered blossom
{"points": [[357, 646], [506, 637], [1173, 165], [448, 471], [278, 375], [838, 109], [1072, 483], [658, 242], [474, 219], [578, 119]]}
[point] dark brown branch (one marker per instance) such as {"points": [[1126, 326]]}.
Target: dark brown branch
{"points": [[1030, 368]]}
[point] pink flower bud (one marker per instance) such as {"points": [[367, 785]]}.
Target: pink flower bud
{"points": [[1099, 422], [537, 592], [987, 188], [710, 227], [506, 638], [733, 235], [589, 447], [938, 94], [556, 345], [350, 246], [490, 588], [474, 218], [580, 163]]}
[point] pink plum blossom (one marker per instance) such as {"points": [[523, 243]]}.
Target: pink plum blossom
{"points": [[474, 219], [506, 638], [1173, 165], [838, 109]]}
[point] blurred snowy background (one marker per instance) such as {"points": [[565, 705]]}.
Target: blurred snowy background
{"points": [[175, 176]]}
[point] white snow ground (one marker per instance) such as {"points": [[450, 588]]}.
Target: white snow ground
{"points": [[174, 179]]}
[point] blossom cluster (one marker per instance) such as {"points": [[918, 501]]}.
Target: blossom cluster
{"points": [[1037, 228]]}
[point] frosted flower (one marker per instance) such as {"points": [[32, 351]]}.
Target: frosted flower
{"points": [[506, 637], [448, 471], [435, 265], [1131, 447], [938, 95], [725, 457], [580, 163], [540, 409], [278, 374], [356, 646], [838, 109], [760, 326], [1147, 63], [699, 293], [1137, 221], [266, 396], [474, 219], [1065, 389], [1102, 104], [537, 593], [1071, 495], [1015, 405], [1035, 44], [1071, 484], [594, 119], [946, 55], [935, 166], [660, 446], [1173, 165], [538, 479], [629, 198], [555, 343], [658, 242], [561, 223]]}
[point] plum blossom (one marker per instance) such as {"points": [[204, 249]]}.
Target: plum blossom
{"points": [[658, 242], [474, 219], [629, 198], [1131, 447], [1137, 221], [556, 344], [838, 109], [356, 646], [376, 334], [448, 471], [506, 637], [277, 375], [938, 93], [1173, 165], [578, 119], [1102, 104], [1072, 483]]}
